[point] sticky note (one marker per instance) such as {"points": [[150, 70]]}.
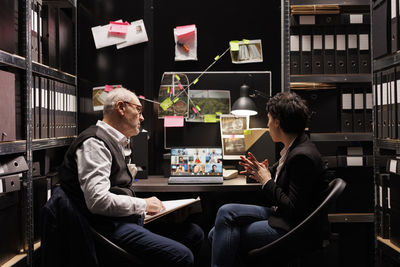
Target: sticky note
{"points": [[177, 77], [218, 113], [175, 100], [216, 58], [173, 121], [246, 132], [198, 108], [245, 41], [166, 104], [194, 110], [195, 81], [180, 86], [142, 97], [108, 88], [234, 45], [118, 28], [209, 118]]}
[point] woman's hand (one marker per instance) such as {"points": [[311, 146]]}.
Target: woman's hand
{"points": [[153, 205], [254, 169]]}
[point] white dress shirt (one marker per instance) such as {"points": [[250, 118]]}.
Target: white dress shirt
{"points": [[94, 169]]}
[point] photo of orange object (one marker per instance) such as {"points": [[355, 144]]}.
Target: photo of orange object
{"points": [[184, 47]]}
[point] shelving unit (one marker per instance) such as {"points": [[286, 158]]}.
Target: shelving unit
{"points": [[24, 68], [323, 93]]}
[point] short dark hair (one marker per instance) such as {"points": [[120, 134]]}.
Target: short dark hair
{"points": [[291, 111]]}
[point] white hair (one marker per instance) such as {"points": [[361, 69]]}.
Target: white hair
{"points": [[118, 94]]}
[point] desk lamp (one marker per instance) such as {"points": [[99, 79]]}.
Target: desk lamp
{"points": [[244, 105]]}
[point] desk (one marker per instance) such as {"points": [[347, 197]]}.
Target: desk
{"points": [[160, 184]]}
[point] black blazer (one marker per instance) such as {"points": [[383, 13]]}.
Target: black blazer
{"points": [[299, 187]]}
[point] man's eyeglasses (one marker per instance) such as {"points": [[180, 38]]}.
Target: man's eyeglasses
{"points": [[138, 108]]}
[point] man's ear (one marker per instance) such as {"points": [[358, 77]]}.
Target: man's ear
{"points": [[120, 108]]}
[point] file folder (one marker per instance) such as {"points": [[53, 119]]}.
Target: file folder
{"points": [[378, 204], [329, 51], [13, 165], [364, 53], [317, 51], [34, 31], [340, 52], [294, 52], [305, 55], [358, 117], [347, 110]]}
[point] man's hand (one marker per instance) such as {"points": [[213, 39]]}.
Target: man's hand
{"points": [[153, 205]]}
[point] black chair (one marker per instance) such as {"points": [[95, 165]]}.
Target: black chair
{"points": [[67, 239], [298, 243]]}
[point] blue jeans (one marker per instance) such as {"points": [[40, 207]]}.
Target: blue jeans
{"points": [[162, 245], [240, 228]]}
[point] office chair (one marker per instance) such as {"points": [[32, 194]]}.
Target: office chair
{"points": [[67, 239], [290, 249]]}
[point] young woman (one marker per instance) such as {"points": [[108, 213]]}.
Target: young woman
{"points": [[292, 187]]}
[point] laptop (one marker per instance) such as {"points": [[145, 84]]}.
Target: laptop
{"points": [[196, 165]]}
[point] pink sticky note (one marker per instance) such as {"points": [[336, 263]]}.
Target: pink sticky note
{"points": [[173, 121], [118, 28], [108, 88], [180, 86], [194, 110], [142, 97], [185, 31]]}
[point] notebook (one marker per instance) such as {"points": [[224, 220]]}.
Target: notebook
{"points": [[196, 165]]}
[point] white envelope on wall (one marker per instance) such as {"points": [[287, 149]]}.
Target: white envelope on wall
{"points": [[103, 39], [136, 34]]}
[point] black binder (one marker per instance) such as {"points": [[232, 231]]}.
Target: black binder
{"points": [[294, 51], [66, 42], [7, 107], [7, 28], [397, 92], [368, 122], [380, 30], [340, 51], [392, 104], [379, 128], [305, 55], [393, 28], [358, 116], [385, 108], [329, 50], [378, 204], [43, 108], [352, 51], [317, 51], [385, 220], [35, 31], [346, 110], [36, 86]]}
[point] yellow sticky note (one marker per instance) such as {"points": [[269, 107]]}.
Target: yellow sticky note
{"points": [[195, 81], [234, 45], [198, 108], [245, 41], [166, 104], [176, 99], [216, 58], [218, 113], [246, 132], [210, 118], [177, 77]]}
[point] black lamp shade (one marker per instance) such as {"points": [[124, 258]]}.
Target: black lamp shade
{"points": [[244, 105]]}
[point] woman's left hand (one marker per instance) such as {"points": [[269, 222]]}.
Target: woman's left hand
{"points": [[254, 169]]}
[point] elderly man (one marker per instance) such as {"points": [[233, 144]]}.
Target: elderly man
{"points": [[97, 179]]}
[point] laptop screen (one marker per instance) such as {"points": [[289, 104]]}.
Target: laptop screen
{"points": [[196, 161]]}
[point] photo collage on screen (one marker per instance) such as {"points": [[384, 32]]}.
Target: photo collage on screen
{"points": [[196, 161]]}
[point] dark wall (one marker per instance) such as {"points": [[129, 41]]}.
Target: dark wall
{"points": [[140, 67]]}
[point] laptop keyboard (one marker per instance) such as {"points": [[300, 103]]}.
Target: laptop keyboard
{"points": [[195, 180]]}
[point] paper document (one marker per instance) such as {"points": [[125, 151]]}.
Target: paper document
{"points": [[173, 205]]}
